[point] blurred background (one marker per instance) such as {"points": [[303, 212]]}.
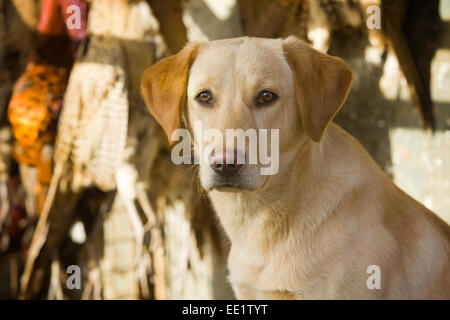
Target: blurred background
{"points": [[91, 207]]}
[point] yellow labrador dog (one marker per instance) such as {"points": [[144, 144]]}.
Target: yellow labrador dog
{"points": [[330, 224]]}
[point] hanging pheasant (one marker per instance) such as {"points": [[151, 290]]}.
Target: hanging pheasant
{"points": [[404, 23], [91, 148], [37, 100], [37, 97]]}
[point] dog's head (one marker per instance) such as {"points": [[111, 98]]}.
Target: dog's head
{"points": [[271, 91]]}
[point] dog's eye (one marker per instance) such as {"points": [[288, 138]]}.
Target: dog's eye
{"points": [[205, 98], [265, 98]]}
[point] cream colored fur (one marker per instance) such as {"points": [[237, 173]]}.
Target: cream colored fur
{"points": [[312, 230]]}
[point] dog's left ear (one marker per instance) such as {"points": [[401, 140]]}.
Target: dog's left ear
{"points": [[163, 87], [322, 84]]}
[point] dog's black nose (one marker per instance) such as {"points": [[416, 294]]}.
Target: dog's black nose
{"points": [[225, 163]]}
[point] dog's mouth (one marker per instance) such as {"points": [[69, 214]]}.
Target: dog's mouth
{"points": [[230, 177], [227, 184], [234, 184], [229, 187]]}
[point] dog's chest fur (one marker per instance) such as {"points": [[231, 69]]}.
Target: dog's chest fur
{"points": [[261, 244]]}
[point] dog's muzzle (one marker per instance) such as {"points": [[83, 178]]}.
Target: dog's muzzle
{"points": [[228, 166]]}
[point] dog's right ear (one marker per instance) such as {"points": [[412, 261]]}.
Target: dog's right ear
{"points": [[322, 84], [163, 87]]}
